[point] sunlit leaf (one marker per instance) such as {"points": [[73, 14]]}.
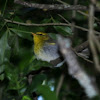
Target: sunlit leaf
{"points": [[47, 94], [26, 98]]}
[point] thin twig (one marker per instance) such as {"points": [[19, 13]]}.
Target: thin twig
{"points": [[60, 84], [73, 23], [4, 7], [83, 57], [62, 2], [91, 36], [73, 16], [96, 42], [33, 24], [88, 15], [64, 19], [82, 46], [49, 24]]}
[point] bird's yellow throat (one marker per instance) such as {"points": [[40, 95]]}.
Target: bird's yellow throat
{"points": [[39, 39]]}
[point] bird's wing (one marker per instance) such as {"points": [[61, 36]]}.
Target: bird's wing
{"points": [[51, 49]]}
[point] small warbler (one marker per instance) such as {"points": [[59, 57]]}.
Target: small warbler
{"points": [[44, 47]]}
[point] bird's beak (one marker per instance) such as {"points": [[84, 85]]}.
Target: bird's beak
{"points": [[33, 34]]}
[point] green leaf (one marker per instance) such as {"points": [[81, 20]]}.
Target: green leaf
{"points": [[2, 77], [47, 94], [15, 83], [23, 34], [53, 36], [36, 81], [2, 68], [16, 18], [16, 45], [64, 30], [26, 98], [3, 47], [46, 20], [39, 29]]}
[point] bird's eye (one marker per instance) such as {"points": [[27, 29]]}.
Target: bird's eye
{"points": [[40, 34]]}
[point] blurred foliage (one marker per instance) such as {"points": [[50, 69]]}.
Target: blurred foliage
{"points": [[17, 58]]}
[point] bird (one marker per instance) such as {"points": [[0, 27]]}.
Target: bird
{"points": [[46, 49]]}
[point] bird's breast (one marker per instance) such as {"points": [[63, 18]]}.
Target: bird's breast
{"points": [[47, 53]]}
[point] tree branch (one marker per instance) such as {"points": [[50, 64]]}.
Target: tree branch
{"points": [[75, 69], [51, 6], [83, 13], [91, 35], [49, 24], [82, 46]]}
